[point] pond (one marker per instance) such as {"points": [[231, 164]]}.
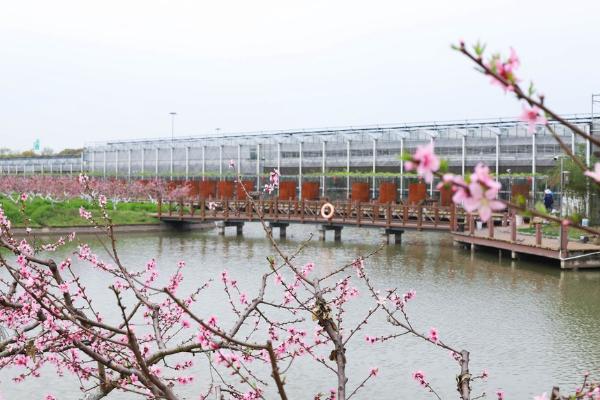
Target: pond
{"points": [[530, 325]]}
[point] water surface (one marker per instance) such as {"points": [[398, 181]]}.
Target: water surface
{"points": [[530, 324]]}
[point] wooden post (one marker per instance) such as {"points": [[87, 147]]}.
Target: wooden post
{"points": [[202, 209], [170, 209], [471, 224], [358, 213], [420, 217], [302, 204], [538, 234], [505, 219], [404, 214], [453, 221], [491, 228], [226, 209], [513, 227], [388, 215], [159, 206], [564, 240], [276, 205]]}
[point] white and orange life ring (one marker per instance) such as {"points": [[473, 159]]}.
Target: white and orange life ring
{"points": [[327, 210]]}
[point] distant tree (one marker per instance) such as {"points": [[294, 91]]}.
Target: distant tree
{"points": [[27, 153], [70, 152], [47, 151], [5, 152]]}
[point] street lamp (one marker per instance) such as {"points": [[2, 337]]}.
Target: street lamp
{"points": [[509, 172], [562, 181], [172, 114]]}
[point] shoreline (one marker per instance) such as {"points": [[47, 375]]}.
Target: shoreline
{"points": [[83, 229]]}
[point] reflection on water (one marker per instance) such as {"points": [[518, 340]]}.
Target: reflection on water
{"points": [[531, 325]]}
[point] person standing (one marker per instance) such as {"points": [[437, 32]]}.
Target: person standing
{"points": [[548, 199]]}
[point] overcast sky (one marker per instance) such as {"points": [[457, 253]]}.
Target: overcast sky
{"points": [[77, 71]]}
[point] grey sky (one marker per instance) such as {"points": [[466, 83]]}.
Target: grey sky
{"points": [[78, 71]]}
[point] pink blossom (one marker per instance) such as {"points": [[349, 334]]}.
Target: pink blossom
{"points": [[212, 320], [102, 200], [308, 268], [185, 323], [269, 188], [506, 70], [484, 374], [409, 295], [370, 339], [595, 175], [419, 376], [532, 116], [425, 161], [274, 177], [500, 395], [374, 371], [49, 397], [433, 335], [83, 213], [482, 176], [185, 380], [483, 201], [231, 164], [543, 396], [23, 196]]}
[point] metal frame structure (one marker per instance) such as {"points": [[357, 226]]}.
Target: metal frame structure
{"points": [[312, 154]]}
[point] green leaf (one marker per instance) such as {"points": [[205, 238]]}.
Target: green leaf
{"points": [[531, 89], [406, 156], [443, 166], [540, 208], [479, 48]]}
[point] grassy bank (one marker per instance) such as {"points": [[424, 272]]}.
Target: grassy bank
{"points": [[552, 230], [45, 213]]}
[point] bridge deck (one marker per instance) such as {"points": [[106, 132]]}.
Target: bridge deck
{"points": [[570, 254], [430, 217], [419, 217]]}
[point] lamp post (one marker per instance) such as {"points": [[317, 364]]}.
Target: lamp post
{"points": [[172, 114], [509, 172], [562, 182]]}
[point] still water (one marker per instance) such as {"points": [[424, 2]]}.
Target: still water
{"points": [[530, 325]]}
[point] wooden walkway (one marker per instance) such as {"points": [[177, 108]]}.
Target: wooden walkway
{"points": [[568, 253], [394, 219], [368, 215]]}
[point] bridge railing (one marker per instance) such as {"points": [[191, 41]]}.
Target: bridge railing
{"points": [[418, 216]]}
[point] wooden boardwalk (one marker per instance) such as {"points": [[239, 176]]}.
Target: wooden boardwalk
{"points": [[368, 215], [568, 253], [394, 219]]}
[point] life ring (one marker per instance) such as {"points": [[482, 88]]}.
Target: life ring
{"points": [[327, 210]]}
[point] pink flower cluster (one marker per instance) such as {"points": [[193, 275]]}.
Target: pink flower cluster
{"points": [[273, 181], [419, 376], [505, 69], [533, 116], [480, 194], [425, 161], [595, 174]]}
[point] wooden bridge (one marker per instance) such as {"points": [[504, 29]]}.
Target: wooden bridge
{"points": [[502, 234], [393, 218]]}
